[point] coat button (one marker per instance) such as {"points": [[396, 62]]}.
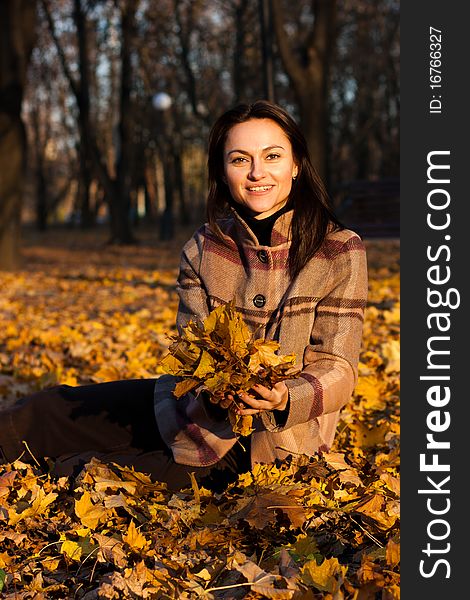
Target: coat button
{"points": [[259, 301], [262, 256]]}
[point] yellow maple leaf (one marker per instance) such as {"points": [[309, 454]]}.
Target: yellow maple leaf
{"points": [[371, 389], [42, 501], [264, 355], [213, 320], [390, 351], [186, 352], [326, 577], [239, 335], [134, 539], [106, 372], [371, 505], [50, 563], [5, 559], [39, 505], [218, 381], [89, 514], [392, 553], [183, 387], [71, 549], [393, 483], [368, 437], [205, 366], [243, 425]]}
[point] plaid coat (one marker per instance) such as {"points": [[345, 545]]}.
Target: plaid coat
{"points": [[318, 316]]}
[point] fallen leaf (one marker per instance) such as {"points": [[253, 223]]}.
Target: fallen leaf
{"points": [[260, 510], [134, 539], [110, 550], [390, 351], [90, 514], [326, 577], [392, 553]]}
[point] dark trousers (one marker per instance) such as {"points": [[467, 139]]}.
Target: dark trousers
{"points": [[114, 422]]}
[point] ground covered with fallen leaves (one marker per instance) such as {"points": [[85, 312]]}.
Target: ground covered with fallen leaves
{"points": [[328, 527]]}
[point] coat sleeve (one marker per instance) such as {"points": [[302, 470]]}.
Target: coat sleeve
{"points": [[329, 371], [193, 301], [193, 297]]}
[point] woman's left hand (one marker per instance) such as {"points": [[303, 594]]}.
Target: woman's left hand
{"points": [[274, 398]]}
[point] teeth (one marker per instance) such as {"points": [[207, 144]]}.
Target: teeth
{"points": [[263, 188]]}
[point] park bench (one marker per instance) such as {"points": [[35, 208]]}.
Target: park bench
{"points": [[371, 208]]}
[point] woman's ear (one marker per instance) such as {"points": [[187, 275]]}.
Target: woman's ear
{"points": [[295, 172]]}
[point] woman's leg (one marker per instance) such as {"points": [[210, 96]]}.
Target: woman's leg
{"points": [[66, 419], [114, 422]]}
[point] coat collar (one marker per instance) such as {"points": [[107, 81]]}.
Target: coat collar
{"points": [[280, 236]]}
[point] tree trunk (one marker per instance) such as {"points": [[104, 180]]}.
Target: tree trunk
{"points": [[238, 54], [167, 224], [314, 119], [41, 198], [17, 39], [310, 78], [267, 49], [116, 189], [83, 90], [149, 185], [121, 232], [184, 217], [37, 144], [84, 182]]}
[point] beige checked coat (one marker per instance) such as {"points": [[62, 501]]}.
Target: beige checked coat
{"points": [[318, 316]]}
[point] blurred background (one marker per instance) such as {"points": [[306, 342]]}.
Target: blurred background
{"points": [[106, 105]]}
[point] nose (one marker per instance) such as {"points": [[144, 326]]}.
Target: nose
{"points": [[257, 170]]}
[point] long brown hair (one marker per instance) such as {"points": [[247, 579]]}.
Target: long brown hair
{"points": [[313, 214]]}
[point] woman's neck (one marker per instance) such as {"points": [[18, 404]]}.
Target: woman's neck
{"points": [[247, 214]]}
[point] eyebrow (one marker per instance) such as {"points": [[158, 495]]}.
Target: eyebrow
{"points": [[247, 153]]}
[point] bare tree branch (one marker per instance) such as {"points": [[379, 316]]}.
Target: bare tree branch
{"points": [[60, 51]]}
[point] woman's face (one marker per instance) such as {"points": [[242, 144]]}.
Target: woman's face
{"points": [[259, 166]]}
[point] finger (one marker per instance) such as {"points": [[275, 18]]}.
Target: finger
{"points": [[268, 396], [257, 404], [263, 391]]}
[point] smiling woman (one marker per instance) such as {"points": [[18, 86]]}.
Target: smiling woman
{"points": [[273, 248]]}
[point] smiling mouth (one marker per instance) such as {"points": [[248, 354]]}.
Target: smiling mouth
{"points": [[260, 188]]}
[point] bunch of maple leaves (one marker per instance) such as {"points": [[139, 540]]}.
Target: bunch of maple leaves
{"points": [[324, 527], [222, 357]]}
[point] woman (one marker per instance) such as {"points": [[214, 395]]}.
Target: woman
{"points": [[273, 245]]}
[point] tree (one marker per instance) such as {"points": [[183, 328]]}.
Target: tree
{"points": [[267, 48], [364, 98], [336, 72], [116, 185], [309, 74], [17, 39], [52, 156]]}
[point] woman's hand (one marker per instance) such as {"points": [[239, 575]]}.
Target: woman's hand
{"points": [[275, 398]]}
